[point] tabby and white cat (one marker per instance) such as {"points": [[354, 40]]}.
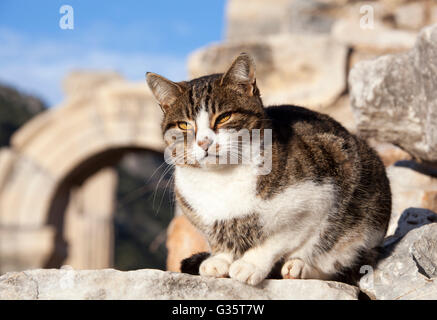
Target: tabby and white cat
{"points": [[322, 210]]}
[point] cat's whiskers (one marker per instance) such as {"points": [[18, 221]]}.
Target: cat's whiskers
{"points": [[167, 169], [155, 171], [169, 183]]}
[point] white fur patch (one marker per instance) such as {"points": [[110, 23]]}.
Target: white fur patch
{"points": [[203, 126], [230, 192], [219, 193], [203, 132]]}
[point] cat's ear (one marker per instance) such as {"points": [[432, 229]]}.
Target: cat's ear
{"points": [[241, 72], [164, 90]]}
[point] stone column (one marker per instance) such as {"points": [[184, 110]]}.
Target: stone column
{"points": [[88, 222]]}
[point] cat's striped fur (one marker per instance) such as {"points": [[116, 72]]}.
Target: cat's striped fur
{"points": [[322, 211]]}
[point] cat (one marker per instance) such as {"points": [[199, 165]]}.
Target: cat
{"points": [[321, 211]]}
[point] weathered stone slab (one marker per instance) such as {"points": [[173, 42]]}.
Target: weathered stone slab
{"points": [[394, 97], [155, 284], [407, 270]]}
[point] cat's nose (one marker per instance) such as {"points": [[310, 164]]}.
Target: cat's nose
{"points": [[205, 143]]}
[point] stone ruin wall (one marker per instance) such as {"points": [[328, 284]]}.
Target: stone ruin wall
{"points": [[303, 49]]}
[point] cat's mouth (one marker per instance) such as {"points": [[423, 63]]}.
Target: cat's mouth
{"points": [[209, 159], [220, 159]]}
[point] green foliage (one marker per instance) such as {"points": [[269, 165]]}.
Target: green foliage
{"points": [[15, 110]]}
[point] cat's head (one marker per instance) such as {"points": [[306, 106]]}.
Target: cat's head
{"points": [[205, 118]]}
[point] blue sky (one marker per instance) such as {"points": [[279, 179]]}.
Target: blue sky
{"points": [[127, 36]]}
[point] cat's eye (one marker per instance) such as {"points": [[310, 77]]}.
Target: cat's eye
{"points": [[224, 117], [184, 125]]}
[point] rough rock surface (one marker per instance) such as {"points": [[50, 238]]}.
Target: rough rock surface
{"points": [[156, 284], [394, 97], [408, 268]]}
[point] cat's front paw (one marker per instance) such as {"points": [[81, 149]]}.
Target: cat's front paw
{"points": [[247, 272], [297, 269], [214, 267], [293, 269]]}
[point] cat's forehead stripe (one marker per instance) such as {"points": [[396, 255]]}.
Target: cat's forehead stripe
{"points": [[191, 103], [207, 98], [214, 106], [202, 122], [199, 96]]}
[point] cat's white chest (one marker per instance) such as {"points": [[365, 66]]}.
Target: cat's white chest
{"points": [[218, 194]]}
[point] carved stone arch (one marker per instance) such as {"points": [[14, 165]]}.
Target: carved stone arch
{"points": [[102, 117]]}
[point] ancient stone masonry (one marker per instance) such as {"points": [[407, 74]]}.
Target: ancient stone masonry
{"points": [[44, 175], [378, 81], [157, 284], [394, 97]]}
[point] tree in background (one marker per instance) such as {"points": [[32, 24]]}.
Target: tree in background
{"points": [[15, 109]]}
